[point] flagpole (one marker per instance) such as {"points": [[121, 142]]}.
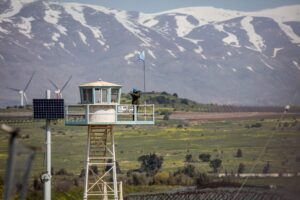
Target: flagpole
{"points": [[144, 76]]}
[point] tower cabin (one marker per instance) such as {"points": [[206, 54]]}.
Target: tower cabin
{"points": [[100, 105]]}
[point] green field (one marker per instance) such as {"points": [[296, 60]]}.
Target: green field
{"points": [[221, 139]]}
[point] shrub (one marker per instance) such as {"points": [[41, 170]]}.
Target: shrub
{"points": [[202, 179], [166, 116], [37, 185], [180, 126], [184, 101], [188, 158], [241, 168], [239, 153], [188, 170], [215, 164], [150, 163], [62, 171], [266, 168], [180, 179], [204, 157], [137, 178], [285, 124], [256, 125], [161, 178], [63, 185]]}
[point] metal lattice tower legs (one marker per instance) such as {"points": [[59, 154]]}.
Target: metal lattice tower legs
{"points": [[100, 175]]}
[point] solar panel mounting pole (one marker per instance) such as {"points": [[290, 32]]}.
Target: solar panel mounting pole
{"points": [[47, 176], [144, 76]]}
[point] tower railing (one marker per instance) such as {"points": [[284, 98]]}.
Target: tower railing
{"points": [[86, 114]]}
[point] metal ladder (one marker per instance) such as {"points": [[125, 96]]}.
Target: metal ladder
{"points": [[100, 168]]}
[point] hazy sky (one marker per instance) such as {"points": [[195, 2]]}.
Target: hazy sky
{"points": [[161, 5]]}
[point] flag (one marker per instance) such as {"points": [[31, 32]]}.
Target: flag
{"points": [[141, 56]]}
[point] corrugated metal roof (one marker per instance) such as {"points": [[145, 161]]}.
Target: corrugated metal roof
{"points": [[100, 83]]}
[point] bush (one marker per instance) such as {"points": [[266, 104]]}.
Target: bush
{"points": [[266, 168], [188, 158], [204, 157], [285, 124], [62, 171], [241, 168], [215, 164], [256, 125], [239, 153], [202, 179], [184, 101], [188, 170], [166, 116], [181, 179], [37, 185], [150, 163], [161, 178], [137, 178]]}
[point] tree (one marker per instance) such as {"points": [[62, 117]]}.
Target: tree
{"points": [[239, 153], [215, 164], [167, 116], [241, 168], [184, 101], [150, 163], [175, 95], [266, 168], [188, 158], [205, 157], [188, 170]]}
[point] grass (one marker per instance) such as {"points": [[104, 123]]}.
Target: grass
{"points": [[221, 139]]}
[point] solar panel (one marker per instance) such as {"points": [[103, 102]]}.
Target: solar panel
{"points": [[48, 109]]}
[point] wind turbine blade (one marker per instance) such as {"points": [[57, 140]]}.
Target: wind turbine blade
{"points": [[65, 85], [29, 81], [53, 84], [14, 89]]}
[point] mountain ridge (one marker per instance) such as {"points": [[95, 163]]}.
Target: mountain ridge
{"points": [[237, 60]]}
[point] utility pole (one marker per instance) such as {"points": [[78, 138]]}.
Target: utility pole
{"points": [[46, 177], [144, 76]]}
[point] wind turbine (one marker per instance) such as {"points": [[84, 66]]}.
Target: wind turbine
{"points": [[22, 92], [58, 92]]}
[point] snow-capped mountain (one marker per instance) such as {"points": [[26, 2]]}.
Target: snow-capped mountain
{"points": [[203, 53]]}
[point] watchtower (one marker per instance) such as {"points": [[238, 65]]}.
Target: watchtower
{"points": [[100, 110]]}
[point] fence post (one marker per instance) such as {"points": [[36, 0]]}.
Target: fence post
{"points": [[10, 167]]}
